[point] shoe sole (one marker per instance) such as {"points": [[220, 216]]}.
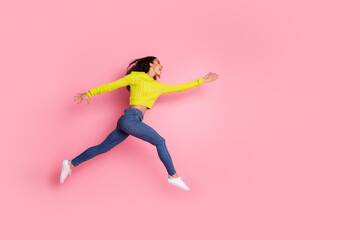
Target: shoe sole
{"points": [[62, 169], [186, 189]]}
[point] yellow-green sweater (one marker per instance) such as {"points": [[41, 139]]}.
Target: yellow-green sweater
{"points": [[144, 90]]}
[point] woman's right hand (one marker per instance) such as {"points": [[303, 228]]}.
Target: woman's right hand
{"points": [[210, 77], [82, 96]]}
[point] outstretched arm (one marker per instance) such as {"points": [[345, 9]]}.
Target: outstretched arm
{"points": [[102, 89], [107, 87], [166, 88]]}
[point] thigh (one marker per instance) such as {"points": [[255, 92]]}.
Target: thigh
{"points": [[145, 132], [114, 138]]}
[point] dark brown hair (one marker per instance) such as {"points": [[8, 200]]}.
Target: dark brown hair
{"points": [[141, 65]]}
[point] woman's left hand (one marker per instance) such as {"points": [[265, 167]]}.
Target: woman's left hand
{"points": [[210, 77]]}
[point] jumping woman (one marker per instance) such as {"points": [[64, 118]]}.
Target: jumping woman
{"points": [[144, 89]]}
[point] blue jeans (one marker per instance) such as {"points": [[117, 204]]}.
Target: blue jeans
{"points": [[130, 123]]}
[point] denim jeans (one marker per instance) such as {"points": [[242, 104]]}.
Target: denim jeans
{"points": [[130, 123]]}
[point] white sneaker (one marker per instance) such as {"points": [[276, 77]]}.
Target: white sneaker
{"points": [[178, 182], [65, 170]]}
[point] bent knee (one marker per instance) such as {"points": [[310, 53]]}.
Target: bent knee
{"points": [[161, 140]]}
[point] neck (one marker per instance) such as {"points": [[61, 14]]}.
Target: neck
{"points": [[151, 73]]}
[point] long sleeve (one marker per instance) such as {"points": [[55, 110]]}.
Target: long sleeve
{"points": [[107, 87], [166, 88]]}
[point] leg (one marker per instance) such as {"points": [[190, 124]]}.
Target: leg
{"points": [[147, 133], [114, 138]]}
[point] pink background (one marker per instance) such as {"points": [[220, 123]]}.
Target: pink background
{"points": [[270, 149]]}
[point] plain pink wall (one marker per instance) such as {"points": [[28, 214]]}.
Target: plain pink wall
{"points": [[269, 149]]}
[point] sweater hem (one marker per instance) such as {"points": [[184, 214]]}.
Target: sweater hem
{"points": [[140, 103]]}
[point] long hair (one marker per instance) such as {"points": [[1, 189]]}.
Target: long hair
{"points": [[141, 65]]}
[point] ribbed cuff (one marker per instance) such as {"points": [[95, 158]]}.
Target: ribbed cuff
{"points": [[89, 94], [200, 81]]}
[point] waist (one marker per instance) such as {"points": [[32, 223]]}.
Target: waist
{"points": [[142, 108]]}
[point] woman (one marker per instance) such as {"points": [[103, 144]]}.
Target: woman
{"points": [[144, 90]]}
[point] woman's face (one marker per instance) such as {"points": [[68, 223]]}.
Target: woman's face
{"points": [[157, 67]]}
